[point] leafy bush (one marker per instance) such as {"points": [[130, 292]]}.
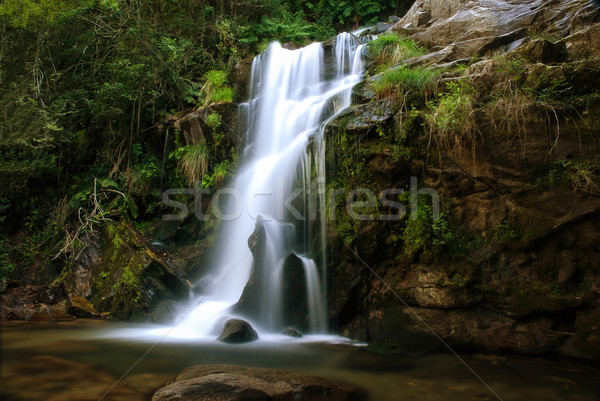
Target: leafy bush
{"points": [[215, 180], [216, 90]]}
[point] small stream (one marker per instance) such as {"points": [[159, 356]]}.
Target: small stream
{"points": [[82, 359]]}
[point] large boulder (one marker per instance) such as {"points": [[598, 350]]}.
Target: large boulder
{"points": [[237, 331], [131, 279], [237, 383]]}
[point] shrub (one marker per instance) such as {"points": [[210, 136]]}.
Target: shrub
{"points": [[215, 89]]}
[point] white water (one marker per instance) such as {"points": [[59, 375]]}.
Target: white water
{"points": [[293, 96]]}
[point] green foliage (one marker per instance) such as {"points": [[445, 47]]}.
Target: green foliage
{"points": [[215, 89], [345, 13], [452, 120], [193, 161], [425, 232], [214, 121], [86, 88], [7, 268], [390, 48], [580, 177], [215, 180], [505, 234], [417, 82], [288, 28], [30, 13]]}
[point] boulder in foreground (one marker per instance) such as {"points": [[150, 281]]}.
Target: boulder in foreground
{"points": [[238, 383]]}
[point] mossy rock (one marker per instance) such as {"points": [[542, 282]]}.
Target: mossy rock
{"points": [[131, 280]]}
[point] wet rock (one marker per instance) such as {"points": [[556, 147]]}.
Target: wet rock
{"points": [[431, 288], [382, 27], [290, 332], [80, 275], [80, 307], [165, 312], [251, 295], [237, 331], [466, 49], [294, 293], [227, 383]]}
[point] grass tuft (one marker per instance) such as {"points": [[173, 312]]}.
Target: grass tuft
{"points": [[390, 49], [403, 81]]}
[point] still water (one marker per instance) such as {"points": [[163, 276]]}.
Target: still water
{"points": [[82, 359]]}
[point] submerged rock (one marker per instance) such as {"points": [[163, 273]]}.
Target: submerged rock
{"points": [[227, 382], [237, 331]]}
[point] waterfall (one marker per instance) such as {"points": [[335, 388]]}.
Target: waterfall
{"points": [[293, 94]]}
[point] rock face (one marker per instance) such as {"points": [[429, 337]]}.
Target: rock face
{"points": [[251, 295], [459, 29], [237, 331], [518, 268], [236, 383]]}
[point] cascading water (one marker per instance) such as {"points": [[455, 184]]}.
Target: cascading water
{"points": [[294, 93]]}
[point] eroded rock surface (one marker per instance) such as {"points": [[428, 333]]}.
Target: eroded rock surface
{"points": [[237, 383]]}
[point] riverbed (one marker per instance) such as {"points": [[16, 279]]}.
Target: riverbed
{"points": [[84, 359]]}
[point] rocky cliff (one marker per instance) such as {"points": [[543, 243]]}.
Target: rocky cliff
{"points": [[507, 138]]}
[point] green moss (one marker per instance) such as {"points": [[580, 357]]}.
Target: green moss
{"points": [[128, 284]]}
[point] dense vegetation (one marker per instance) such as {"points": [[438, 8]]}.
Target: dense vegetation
{"points": [[87, 90]]}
